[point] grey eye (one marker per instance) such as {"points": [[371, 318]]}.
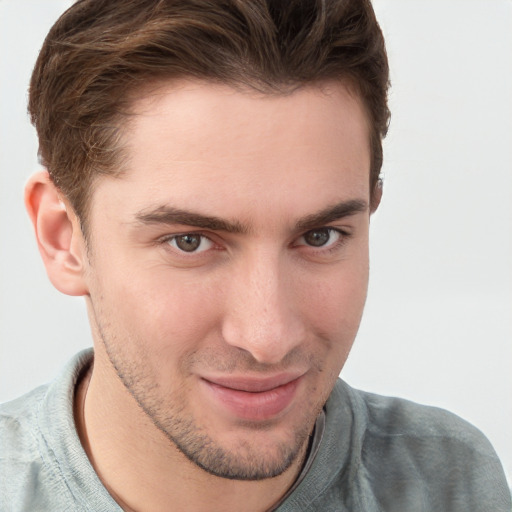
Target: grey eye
{"points": [[190, 242], [318, 237]]}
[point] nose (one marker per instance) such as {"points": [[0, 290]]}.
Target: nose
{"points": [[262, 313]]}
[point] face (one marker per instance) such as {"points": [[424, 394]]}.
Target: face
{"points": [[228, 266]]}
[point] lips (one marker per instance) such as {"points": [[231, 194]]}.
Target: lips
{"points": [[253, 399]]}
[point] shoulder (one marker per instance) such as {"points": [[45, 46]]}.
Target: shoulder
{"points": [[39, 448], [18, 425], [413, 453], [21, 463], [392, 417]]}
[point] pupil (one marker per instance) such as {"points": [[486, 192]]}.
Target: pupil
{"points": [[317, 238], [188, 243]]}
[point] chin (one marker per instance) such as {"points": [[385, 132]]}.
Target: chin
{"points": [[245, 451], [249, 459]]}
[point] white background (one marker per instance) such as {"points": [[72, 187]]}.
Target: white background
{"points": [[438, 323]]}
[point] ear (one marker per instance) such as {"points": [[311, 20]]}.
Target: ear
{"points": [[376, 196], [59, 237]]}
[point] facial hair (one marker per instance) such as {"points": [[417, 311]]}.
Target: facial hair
{"points": [[244, 460]]}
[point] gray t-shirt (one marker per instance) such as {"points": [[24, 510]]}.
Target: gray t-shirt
{"points": [[373, 454]]}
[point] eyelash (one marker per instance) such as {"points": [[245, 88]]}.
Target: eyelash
{"points": [[166, 240], [334, 246], [343, 238]]}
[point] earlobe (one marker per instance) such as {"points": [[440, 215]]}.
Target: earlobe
{"points": [[58, 235]]}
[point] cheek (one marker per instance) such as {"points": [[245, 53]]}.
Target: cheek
{"points": [[156, 325], [335, 312], [335, 303], [168, 312]]}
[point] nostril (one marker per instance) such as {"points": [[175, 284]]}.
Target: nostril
{"points": [[267, 339]]}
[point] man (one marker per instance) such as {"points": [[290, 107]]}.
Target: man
{"points": [[212, 168]]}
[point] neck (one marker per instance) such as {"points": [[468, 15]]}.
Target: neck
{"points": [[143, 470]]}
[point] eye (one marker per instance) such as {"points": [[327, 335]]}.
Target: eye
{"points": [[190, 242], [322, 237]]}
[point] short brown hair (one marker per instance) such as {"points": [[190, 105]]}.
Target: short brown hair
{"points": [[100, 52]]}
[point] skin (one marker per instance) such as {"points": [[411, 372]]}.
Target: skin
{"points": [[269, 197]]}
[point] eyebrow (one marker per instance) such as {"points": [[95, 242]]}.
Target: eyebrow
{"points": [[170, 215], [331, 214]]}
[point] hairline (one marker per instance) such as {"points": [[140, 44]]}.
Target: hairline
{"points": [[139, 93]]}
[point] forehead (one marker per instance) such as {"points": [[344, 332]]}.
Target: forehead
{"points": [[209, 146]]}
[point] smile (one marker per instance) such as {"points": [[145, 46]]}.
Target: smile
{"points": [[253, 400]]}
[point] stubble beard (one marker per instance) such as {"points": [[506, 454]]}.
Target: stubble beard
{"points": [[246, 461]]}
